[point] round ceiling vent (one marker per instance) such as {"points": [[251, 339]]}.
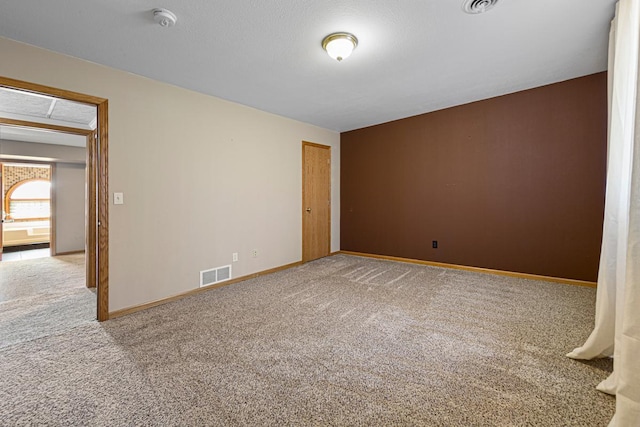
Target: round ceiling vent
{"points": [[478, 6]]}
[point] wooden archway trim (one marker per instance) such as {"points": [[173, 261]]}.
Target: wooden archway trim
{"points": [[97, 182], [51, 91], [47, 126]]}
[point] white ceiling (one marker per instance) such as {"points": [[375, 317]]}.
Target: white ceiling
{"points": [[28, 106], [414, 56], [32, 107]]}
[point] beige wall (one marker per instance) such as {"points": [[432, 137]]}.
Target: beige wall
{"points": [[239, 177], [70, 206]]}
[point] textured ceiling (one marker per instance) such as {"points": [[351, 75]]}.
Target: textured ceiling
{"points": [[40, 108], [414, 56], [26, 106]]}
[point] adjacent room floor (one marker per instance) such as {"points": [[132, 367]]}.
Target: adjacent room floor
{"points": [[42, 296], [28, 254]]}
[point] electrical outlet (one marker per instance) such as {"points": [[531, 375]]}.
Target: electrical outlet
{"points": [[235, 257], [254, 253], [434, 244]]}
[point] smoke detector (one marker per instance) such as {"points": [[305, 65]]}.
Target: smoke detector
{"points": [[478, 6], [164, 17]]}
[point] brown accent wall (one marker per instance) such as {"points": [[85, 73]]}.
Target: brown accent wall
{"points": [[512, 183]]}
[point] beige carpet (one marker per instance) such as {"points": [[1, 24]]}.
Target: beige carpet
{"points": [[44, 296], [340, 341]]}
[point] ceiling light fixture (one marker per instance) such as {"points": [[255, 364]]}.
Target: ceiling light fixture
{"points": [[164, 17], [478, 6], [339, 45]]}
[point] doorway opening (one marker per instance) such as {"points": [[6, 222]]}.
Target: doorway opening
{"points": [[97, 220]]}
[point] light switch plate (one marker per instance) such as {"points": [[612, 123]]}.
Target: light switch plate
{"points": [[118, 198]]}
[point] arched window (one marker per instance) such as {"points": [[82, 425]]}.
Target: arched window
{"points": [[29, 200]]}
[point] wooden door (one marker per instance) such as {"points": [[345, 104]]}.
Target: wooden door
{"points": [[316, 201], [91, 219]]}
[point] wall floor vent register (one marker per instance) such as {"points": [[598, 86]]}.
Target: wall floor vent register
{"points": [[215, 275]]}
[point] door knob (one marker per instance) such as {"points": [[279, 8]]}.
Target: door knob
{"points": [[309, 210]]}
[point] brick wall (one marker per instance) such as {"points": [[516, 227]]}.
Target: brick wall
{"points": [[11, 175]]}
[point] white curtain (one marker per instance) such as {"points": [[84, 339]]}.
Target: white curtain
{"points": [[617, 326]]}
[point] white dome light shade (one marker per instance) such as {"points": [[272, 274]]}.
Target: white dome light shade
{"points": [[339, 45]]}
